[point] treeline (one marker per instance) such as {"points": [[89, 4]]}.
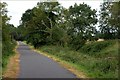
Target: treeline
{"points": [[110, 20], [50, 23], [8, 43]]}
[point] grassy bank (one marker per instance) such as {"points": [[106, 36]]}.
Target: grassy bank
{"points": [[0, 58], [7, 52], [97, 59]]}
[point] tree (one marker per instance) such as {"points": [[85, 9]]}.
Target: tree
{"points": [[115, 18], [82, 20], [7, 41], [5, 18], [32, 24], [109, 20], [40, 22], [50, 23]]}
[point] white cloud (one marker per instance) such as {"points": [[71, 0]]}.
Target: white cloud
{"points": [[17, 8]]}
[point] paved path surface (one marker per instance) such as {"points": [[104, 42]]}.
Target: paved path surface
{"points": [[34, 65]]}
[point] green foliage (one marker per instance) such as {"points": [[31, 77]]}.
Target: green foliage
{"points": [[68, 30], [96, 47], [51, 24], [102, 66], [82, 18], [109, 20], [77, 42], [38, 23], [8, 44], [115, 18], [54, 24], [7, 51]]}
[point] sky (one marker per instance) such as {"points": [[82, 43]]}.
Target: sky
{"points": [[17, 7]]}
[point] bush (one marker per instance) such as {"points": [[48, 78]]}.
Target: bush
{"points": [[76, 43], [96, 47]]}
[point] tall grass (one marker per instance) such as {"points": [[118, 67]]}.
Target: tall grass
{"points": [[7, 51], [0, 58], [98, 59]]}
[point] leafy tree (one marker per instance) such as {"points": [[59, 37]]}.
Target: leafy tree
{"points": [[82, 20], [7, 40], [109, 20], [40, 21], [104, 23], [32, 23], [53, 24], [115, 18]]}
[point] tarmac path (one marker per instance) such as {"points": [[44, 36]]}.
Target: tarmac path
{"points": [[34, 65]]}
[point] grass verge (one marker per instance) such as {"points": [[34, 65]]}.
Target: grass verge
{"points": [[95, 60], [12, 68], [68, 65]]}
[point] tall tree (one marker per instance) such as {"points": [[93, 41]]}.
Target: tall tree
{"points": [[7, 42], [39, 22], [82, 20], [115, 18], [109, 20]]}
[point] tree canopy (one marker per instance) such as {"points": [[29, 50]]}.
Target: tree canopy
{"points": [[50, 23]]}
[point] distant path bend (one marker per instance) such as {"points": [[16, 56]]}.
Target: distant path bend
{"points": [[34, 65]]}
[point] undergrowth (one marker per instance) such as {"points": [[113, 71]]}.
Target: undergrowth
{"points": [[98, 59], [7, 51]]}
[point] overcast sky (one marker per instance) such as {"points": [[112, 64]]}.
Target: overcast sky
{"points": [[17, 7]]}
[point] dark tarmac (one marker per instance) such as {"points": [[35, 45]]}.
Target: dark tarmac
{"points": [[34, 65]]}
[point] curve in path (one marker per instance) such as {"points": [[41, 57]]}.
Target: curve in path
{"points": [[34, 65]]}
